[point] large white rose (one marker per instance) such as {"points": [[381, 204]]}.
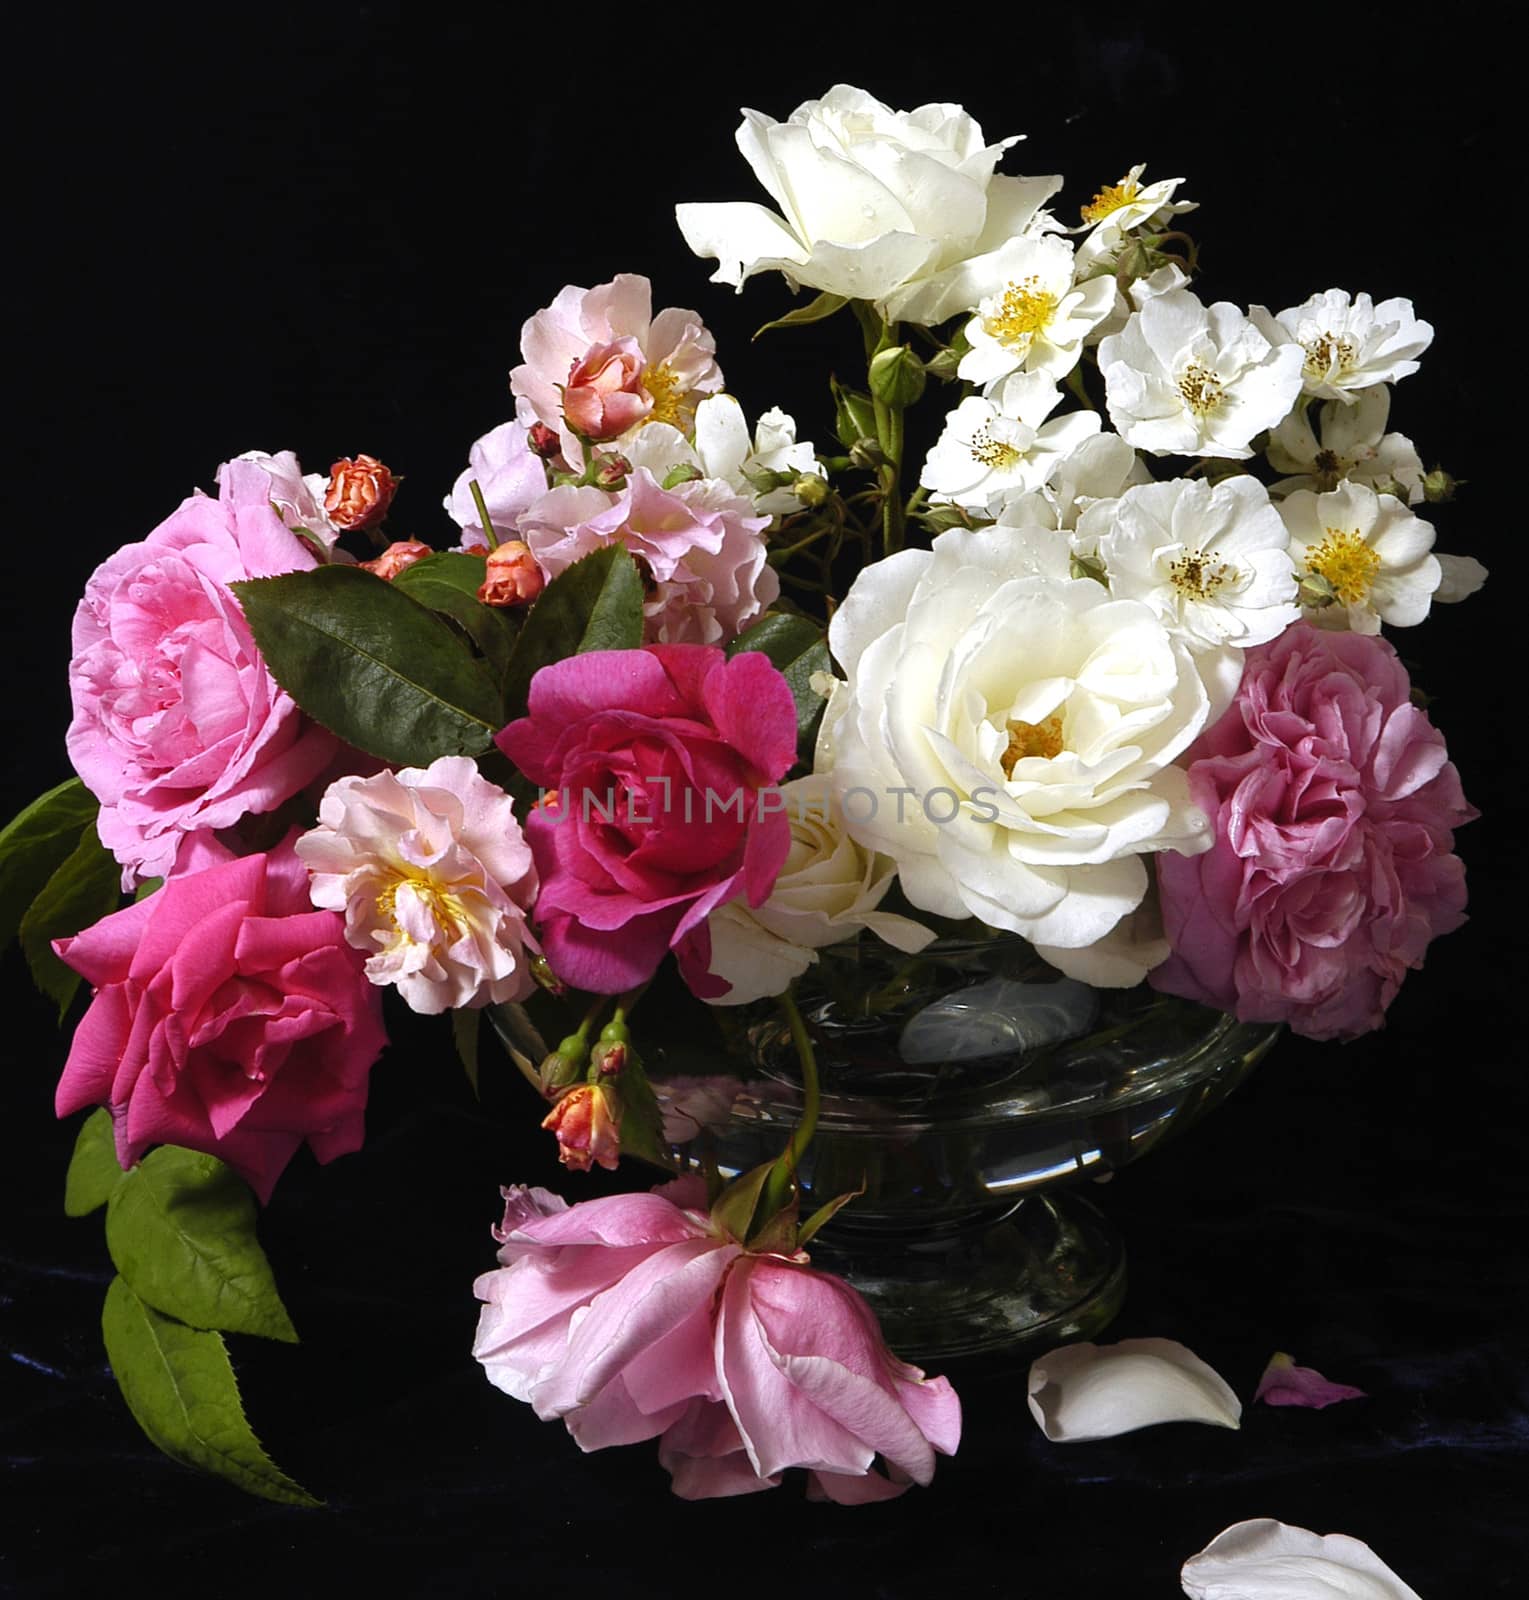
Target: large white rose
{"points": [[828, 890], [1007, 735], [881, 205]]}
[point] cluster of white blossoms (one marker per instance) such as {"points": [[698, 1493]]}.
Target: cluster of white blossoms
{"points": [[1137, 486]]}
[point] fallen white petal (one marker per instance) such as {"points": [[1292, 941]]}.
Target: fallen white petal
{"points": [[1090, 1391], [1268, 1560]]}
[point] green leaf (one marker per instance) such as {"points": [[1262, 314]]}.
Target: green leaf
{"points": [[147, 887], [465, 1028], [816, 309], [35, 843], [826, 1213], [372, 665], [181, 1231], [449, 583], [85, 888], [93, 1170], [642, 1119], [596, 604], [180, 1387], [796, 646]]}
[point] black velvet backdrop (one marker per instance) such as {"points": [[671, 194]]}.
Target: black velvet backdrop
{"points": [[322, 232]]}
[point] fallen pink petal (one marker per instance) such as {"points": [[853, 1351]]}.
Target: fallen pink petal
{"points": [[1286, 1384]]}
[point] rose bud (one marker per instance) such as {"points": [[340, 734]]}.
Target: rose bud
{"points": [[586, 1122], [611, 472], [398, 555], [544, 441], [359, 492], [511, 576]]}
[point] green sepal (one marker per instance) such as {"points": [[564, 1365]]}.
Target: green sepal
{"points": [[817, 309], [35, 843], [897, 376], [796, 646], [733, 1210], [596, 604], [448, 583], [181, 1231], [466, 1025], [180, 1387], [85, 887], [826, 1213], [642, 1119], [854, 415], [93, 1170], [373, 665]]}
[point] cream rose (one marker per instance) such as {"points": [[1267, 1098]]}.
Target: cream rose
{"points": [[1007, 735], [882, 205], [828, 890]]}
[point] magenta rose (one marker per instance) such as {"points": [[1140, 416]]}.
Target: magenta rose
{"points": [[1334, 805], [653, 760], [178, 726], [229, 1016]]}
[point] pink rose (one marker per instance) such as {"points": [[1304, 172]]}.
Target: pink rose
{"points": [[229, 1016], [509, 475], [1334, 805], [606, 342], [298, 498], [701, 543], [178, 726], [634, 1317], [657, 757]]}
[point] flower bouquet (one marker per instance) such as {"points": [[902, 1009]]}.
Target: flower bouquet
{"points": [[1094, 663]]}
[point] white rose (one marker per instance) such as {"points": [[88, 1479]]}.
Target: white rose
{"points": [[827, 891], [878, 205], [1008, 738]]}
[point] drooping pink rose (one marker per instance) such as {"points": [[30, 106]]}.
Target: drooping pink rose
{"points": [[509, 475], [635, 1317], [1334, 806], [577, 333], [657, 758], [229, 1016], [700, 542], [178, 726]]}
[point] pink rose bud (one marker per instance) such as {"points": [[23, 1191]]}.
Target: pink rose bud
{"points": [[604, 395], [609, 1059], [511, 576], [612, 472], [544, 441], [359, 492], [398, 555], [588, 1128]]}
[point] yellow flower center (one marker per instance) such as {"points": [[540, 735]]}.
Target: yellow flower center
{"points": [[1028, 739], [991, 452], [446, 909], [1328, 350], [1111, 199], [1022, 312], [671, 403], [1197, 577], [1202, 390], [1347, 562]]}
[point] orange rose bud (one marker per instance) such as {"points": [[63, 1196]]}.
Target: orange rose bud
{"points": [[398, 555], [359, 492], [511, 576], [588, 1127]]}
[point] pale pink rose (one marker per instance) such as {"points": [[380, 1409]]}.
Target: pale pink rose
{"points": [[700, 543], [634, 1317], [434, 878], [360, 492], [1334, 805], [509, 475], [398, 557], [229, 1016], [511, 576], [298, 499], [178, 726], [677, 355], [604, 395]]}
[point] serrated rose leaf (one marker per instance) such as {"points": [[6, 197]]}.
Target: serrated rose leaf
{"points": [[93, 1170], [85, 887], [35, 843]]}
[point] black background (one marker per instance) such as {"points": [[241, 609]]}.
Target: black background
{"points": [[321, 231]]}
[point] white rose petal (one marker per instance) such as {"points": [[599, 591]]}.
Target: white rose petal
{"points": [[1091, 1391], [1121, 208], [1353, 444], [1267, 1560]]}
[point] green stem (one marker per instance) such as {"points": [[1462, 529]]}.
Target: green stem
{"points": [[781, 1184], [488, 525]]}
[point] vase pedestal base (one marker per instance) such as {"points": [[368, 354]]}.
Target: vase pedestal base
{"points": [[1049, 1271]]}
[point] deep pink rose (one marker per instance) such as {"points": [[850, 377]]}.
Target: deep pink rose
{"points": [[653, 760], [229, 1016], [178, 726], [634, 1318], [1334, 805]]}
